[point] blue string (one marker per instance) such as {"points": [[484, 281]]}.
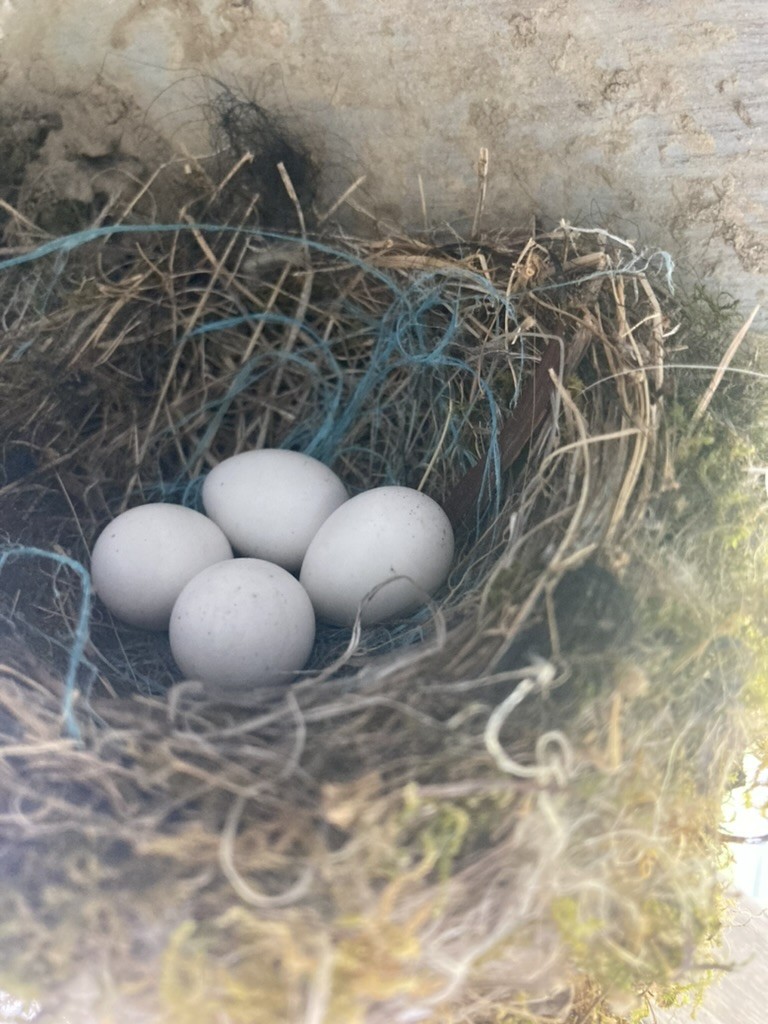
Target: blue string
{"points": [[259, 365], [69, 243], [81, 634], [419, 334], [637, 264]]}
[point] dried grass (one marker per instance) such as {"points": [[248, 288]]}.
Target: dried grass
{"points": [[453, 820]]}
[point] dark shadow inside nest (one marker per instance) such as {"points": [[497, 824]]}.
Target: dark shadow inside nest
{"points": [[269, 162], [589, 611]]}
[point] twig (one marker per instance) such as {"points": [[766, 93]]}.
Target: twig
{"points": [[731, 351], [341, 200], [438, 446], [423, 201], [288, 184], [482, 184]]}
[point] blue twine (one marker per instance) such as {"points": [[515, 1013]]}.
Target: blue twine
{"points": [[250, 373], [638, 264], [419, 333], [80, 632], [403, 329], [69, 243]]}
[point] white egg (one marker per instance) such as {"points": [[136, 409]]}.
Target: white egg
{"points": [[270, 503], [373, 537], [241, 625], [143, 559]]}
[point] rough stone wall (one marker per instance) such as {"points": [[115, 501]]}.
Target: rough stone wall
{"points": [[646, 116]]}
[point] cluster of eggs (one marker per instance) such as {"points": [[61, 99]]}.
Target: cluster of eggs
{"points": [[305, 550]]}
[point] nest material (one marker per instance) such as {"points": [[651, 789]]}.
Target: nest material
{"points": [[456, 819]]}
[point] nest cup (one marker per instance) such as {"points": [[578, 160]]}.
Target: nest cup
{"points": [[471, 815]]}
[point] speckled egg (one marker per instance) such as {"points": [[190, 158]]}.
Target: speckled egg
{"points": [[143, 559], [271, 502], [240, 625], [369, 541]]}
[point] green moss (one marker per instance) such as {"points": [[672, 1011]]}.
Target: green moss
{"points": [[578, 932], [712, 510]]}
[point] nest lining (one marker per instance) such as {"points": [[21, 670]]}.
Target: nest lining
{"points": [[453, 819]]}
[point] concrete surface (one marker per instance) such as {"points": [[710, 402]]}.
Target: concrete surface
{"points": [[645, 116]]}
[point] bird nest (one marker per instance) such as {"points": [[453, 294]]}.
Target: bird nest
{"points": [[502, 809]]}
